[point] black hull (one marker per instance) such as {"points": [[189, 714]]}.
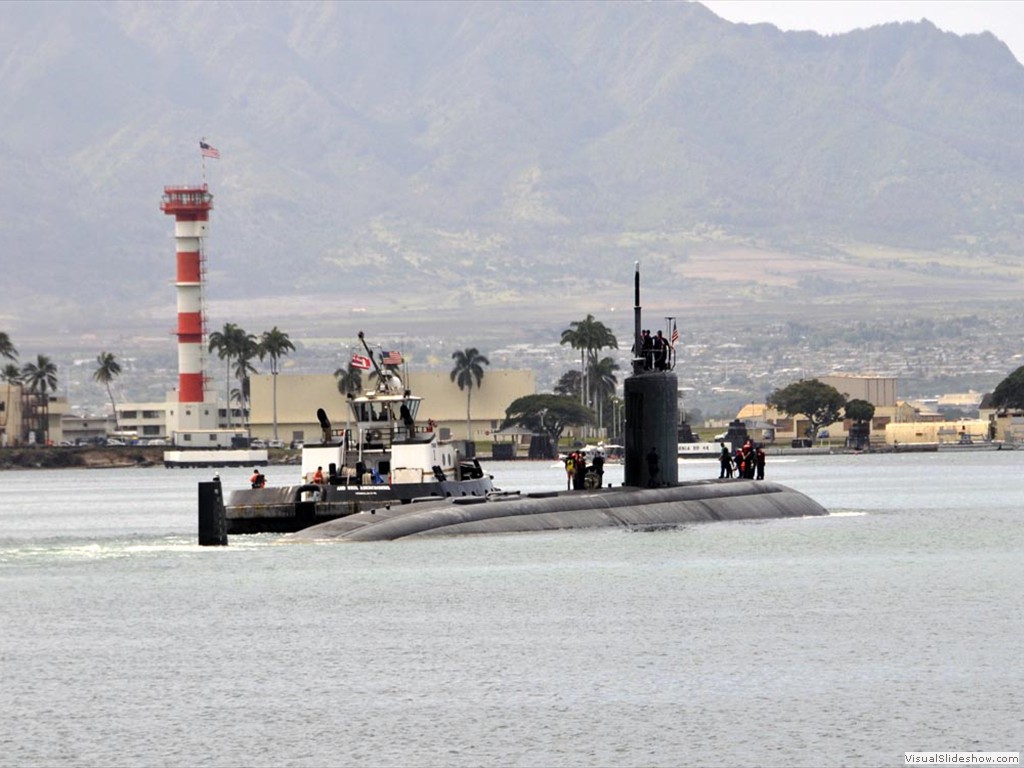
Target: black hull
{"points": [[633, 508], [291, 508]]}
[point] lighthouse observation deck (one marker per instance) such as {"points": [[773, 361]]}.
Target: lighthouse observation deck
{"points": [[187, 202]]}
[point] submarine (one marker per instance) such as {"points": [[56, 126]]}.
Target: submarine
{"points": [[650, 498]]}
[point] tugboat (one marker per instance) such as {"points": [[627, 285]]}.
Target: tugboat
{"points": [[382, 457]]}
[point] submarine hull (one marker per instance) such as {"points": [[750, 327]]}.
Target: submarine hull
{"points": [[624, 507]]}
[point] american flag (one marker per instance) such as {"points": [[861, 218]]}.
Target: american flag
{"points": [[675, 333], [358, 361], [391, 358], [207, 151]]}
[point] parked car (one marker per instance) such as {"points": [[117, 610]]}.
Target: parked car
{"points": [[275, 443], [257, 443]]}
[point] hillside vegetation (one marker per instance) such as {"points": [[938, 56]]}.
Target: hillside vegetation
{"points": [[467, 156]]}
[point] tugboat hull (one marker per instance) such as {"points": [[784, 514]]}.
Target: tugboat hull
{"points": [[291, 508]]}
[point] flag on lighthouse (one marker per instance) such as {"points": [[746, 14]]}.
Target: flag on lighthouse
{"points": [[675, 333], [207, 151], [361, 362]]}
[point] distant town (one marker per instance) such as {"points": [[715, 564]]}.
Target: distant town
{"points": [[940, 360], [941, 368]]}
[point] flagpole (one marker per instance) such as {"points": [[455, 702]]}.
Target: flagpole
{"points": [[668, 335]]}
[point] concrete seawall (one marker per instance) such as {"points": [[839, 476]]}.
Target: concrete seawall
{"points": [[692, 502]]}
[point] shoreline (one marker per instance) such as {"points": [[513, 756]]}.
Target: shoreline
{"points": [[96, 457], [121, 457]]}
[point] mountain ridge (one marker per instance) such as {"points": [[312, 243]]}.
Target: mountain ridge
{"points": [[472, 155]]}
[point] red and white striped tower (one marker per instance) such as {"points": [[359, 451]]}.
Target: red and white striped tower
{"points": [[191, 208]]}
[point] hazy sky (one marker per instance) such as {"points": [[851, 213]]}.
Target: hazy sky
{"points": [[1004, 18]]}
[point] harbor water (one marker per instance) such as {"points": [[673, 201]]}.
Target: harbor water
{"points": [[892, 625]]}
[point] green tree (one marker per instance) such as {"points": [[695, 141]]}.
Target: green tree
{"points": [[12, 375], [243, 368], [589, 336], [232, 343], [860, 411], [548, 415], [274, 344], [108, 370], [822, 404], [468, 369], [350, 380], [570, 384], [7, 349], [602, 383], [41, 378], [1009, 393]]}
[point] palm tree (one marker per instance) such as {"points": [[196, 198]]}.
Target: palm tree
{"points": [[244, 367], [603, 382], [41, 378], [589, 336], [230, 343], [250, 349], [350, 379], [274, 344], [12, 375], [6, 347], [469, 365], [108, 371], [223, 343]]}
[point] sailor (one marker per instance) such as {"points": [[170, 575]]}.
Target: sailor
{"points": [[652, 467], [661, 348], [318, 476], [747, 460], [255, 479], [407, 419], [580, 480], [647, 345], [598, 465], [725, 459]]}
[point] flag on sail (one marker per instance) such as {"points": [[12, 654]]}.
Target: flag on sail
{"points": [[207, 151], [391, 358], [359, 361], [675, 333]]}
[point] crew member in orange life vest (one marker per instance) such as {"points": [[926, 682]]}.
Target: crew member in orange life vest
{"points": [[318, 476]]}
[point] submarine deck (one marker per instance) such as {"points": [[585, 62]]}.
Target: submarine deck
{"points": [[630, 507]]}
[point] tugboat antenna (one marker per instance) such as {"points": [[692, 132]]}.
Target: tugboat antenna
{"points": [[369, 354]]}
